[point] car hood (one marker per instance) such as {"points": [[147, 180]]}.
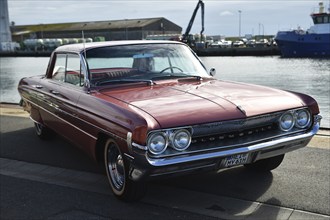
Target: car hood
{"points": [[180, 104]]}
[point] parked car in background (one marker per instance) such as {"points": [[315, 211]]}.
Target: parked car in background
{"points": [[238, 43], [262, 43], [147, 109], [251, 43]]}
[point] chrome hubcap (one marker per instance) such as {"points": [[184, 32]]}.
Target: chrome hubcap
{"points": [[116, 167]]}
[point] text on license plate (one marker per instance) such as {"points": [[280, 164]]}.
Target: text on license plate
{"points": [[236, 160]]}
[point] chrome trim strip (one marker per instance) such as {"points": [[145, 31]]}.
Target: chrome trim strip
{"points": [[252, 148], [85, 70], [129, 156], [67, 121], [101, 129], [33, 120], [129, 141], [141, 147]]}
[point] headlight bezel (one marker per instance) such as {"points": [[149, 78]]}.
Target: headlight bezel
{"points": [[289, 114], [153, 136], [169, 135], [174, 143], [308, 121], [294, 114]]}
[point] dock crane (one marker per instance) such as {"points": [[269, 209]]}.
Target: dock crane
{"points": [[187, 38]]}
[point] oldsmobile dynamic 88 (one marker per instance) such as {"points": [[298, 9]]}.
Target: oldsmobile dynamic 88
{"points": [[147, 109]]}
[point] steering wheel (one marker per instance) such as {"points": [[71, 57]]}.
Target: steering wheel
{"points": [[171, 67]]}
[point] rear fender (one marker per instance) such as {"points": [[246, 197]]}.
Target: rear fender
{"points": [[34, 112]]}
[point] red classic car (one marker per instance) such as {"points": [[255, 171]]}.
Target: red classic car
{"points": [[149, 108]]}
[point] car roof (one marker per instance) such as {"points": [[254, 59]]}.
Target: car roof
{"points": [[87, 46]]}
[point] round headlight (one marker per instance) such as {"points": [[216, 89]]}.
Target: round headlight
{"points": [[286, 121], [181, 140], [157, 143], [302, 118]]}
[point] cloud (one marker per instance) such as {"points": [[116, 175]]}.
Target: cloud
{"points": [[226, 13]]}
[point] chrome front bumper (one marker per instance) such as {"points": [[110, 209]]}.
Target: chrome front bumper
{"points": [[142, 165]]}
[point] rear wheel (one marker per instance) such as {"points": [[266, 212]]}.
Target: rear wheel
{"points": [[117, 171], [42, 131], [266, 164]]}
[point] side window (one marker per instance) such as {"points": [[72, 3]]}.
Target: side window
{"points": [[67, 69], [73, 70], [59, 68]]}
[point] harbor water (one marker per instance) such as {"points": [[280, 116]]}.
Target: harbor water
{"points": [[309, 76]]}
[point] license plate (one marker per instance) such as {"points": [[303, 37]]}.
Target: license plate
{"points": [[237, 159]]}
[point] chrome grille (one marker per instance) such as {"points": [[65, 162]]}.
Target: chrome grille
{"points": [[235, 135], [235, 125]]}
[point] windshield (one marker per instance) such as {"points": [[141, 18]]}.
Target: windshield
{"points": [[143, 62]]}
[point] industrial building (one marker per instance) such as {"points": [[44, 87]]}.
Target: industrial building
{"points": [[127, 29]]}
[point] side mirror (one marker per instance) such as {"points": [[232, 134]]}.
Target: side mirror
{"points": [[212, 72]]}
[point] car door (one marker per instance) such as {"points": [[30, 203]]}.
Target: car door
{"points": [[61, 91], [48, 87]]}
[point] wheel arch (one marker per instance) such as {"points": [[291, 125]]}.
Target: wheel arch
{"points": [[100, 144]]}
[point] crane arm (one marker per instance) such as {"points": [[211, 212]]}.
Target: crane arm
{"points": [[199, 4]]}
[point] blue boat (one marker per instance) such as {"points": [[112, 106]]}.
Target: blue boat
{"points": [[315, 42]]}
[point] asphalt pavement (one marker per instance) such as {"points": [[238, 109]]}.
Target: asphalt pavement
{"points": [[55, 180]]}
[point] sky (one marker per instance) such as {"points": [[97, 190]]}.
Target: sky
{"points": [[221, 16]]}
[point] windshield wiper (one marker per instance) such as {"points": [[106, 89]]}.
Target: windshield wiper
{"points": [[199, 78], [116, 81], [176, 76]]}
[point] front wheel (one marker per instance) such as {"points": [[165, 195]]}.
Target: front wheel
{"points": [[267, 164], [117, 171]]}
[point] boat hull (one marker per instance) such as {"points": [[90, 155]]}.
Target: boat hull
{"points": [[294, 44]]}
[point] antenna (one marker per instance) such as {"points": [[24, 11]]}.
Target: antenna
{"points": [[85, 60], [83, 37]]}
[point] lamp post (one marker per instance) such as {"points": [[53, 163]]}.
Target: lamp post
{"points": [[263, 30], [239, 23]]}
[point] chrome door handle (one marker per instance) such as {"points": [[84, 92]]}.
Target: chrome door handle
{"points": [[55, 92], [37, 86]]}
